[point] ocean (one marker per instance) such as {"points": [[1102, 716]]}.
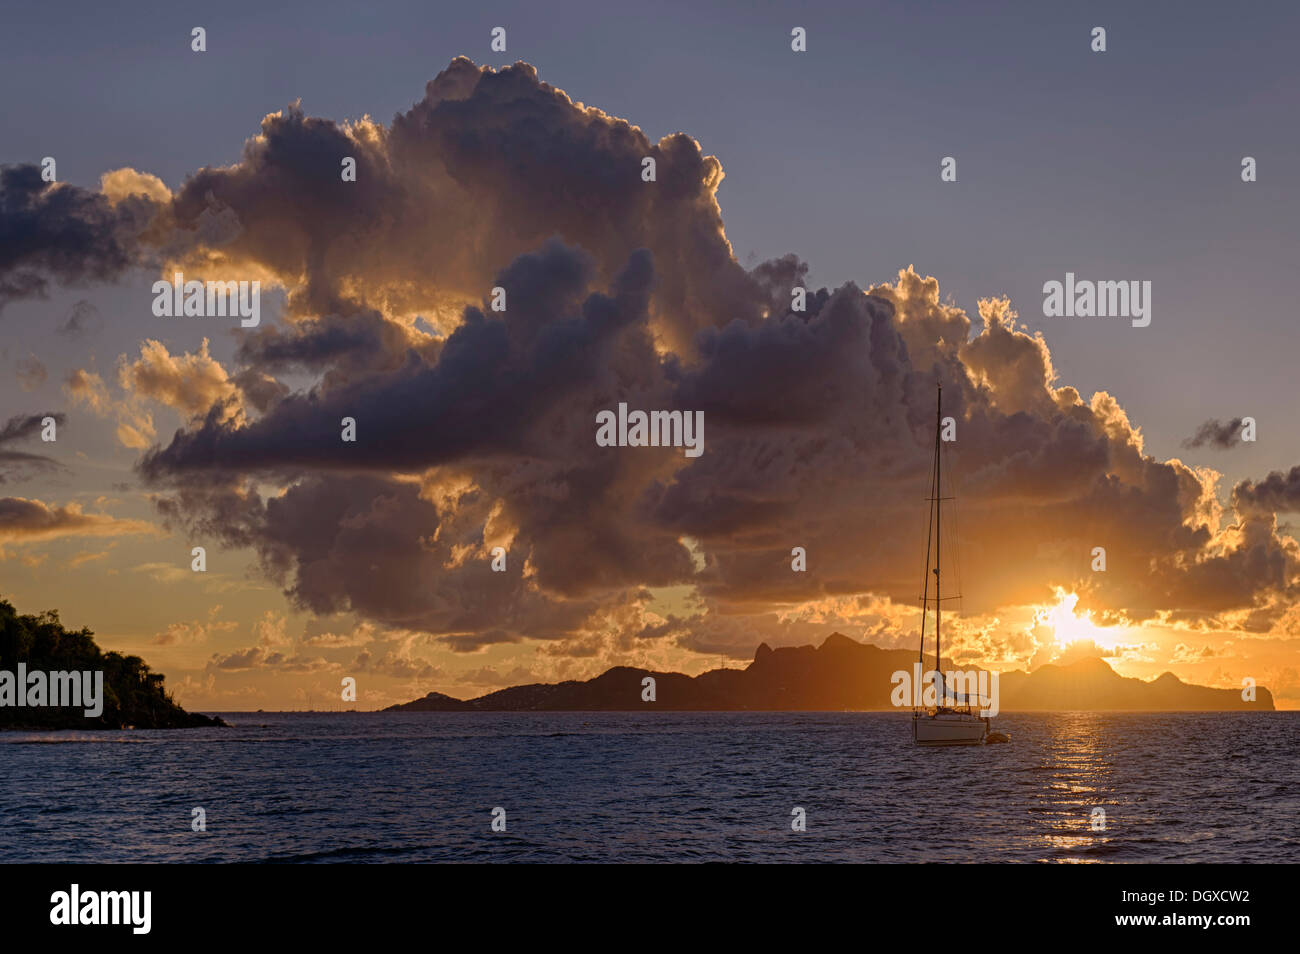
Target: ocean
{"points": [[657, 787]]}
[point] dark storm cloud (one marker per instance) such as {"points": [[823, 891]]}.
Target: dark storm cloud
{"points": [[62, 233], [492, 380], [374, 545], [225, 512], [1216, 434], [358, 341], [797, 370], [1278, 492], [285, 206], [545, 166], [260, 389], [487, 167], [365, 543]]}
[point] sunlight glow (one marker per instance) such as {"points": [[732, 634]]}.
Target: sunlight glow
{"points": [[1067, 627]]}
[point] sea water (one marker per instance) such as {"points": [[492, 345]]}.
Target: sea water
{"points": [[645, 787]]}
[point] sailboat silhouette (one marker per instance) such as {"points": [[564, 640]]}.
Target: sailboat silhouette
{"points": [[953, 720]]}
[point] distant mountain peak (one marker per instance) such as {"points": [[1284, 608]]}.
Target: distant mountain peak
{"points": [[838, 640]]}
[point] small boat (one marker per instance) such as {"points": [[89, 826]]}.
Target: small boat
{"points": [[955, 719]]}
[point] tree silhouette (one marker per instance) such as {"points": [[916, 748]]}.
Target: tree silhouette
{"points": [[133, 695]]}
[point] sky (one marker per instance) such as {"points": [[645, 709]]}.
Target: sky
{"points": [[476, 430]]}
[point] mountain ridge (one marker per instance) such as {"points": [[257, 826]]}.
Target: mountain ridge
{"points": [[843, 674]]}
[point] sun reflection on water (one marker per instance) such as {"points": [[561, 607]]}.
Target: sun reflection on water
{"points": [[1077, 769]]}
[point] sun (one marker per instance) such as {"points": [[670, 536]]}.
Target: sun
{"points": [[1068, 627]]}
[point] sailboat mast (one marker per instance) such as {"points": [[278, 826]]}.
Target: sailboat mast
{"points": [[938, 510]]}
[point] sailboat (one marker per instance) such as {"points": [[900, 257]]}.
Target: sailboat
{"points": [[954, 720]]}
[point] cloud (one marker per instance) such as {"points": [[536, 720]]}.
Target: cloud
{"points": [[23, 427], [88, 388], [193, 632], [165, 572], [192, 384], [254, 657], [1216, 434], [83, 319], [259, 658], [24, 520], [808, 414], [1183, 653], [316, 635], [122, 184], [135, 424], [491, 382], [393, 664], [486, 167], [270, 630], [85, 556], [1278, 492], [62, 233], [489, 676]]}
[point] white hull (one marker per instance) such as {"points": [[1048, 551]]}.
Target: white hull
{"points": [[948, 728]]}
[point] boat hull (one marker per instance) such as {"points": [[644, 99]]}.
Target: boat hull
{"points": [[948, 729]]}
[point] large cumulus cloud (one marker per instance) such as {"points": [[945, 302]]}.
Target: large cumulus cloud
{"points": [[475, 428]]}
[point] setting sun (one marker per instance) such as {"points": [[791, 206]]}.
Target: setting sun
{"points": [[1068, 627]]}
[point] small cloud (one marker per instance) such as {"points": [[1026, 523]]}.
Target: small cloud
{"points": [[85, 556], [1216, 434], [269, 630], [123, 183], [256, 657], [1184, 653], [165, 572], [393, 664], [23, 520], [193, 631], [474, 642], [84, 319], [359, 635]]}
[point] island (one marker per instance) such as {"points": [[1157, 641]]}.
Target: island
{"points": [[843, 674]]}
